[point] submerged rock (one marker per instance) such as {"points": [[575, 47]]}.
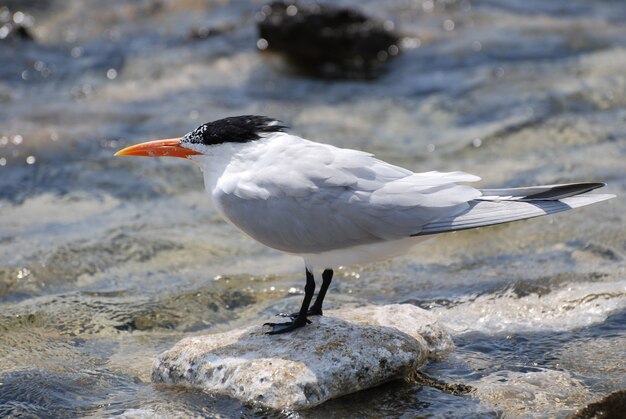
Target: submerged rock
{"points": [[340, 353], [612, 406], [519, 392], [327, 41]]}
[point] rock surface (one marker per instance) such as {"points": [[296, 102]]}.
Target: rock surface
{"points": [[612, 406], [342, 352], [327, 41]]}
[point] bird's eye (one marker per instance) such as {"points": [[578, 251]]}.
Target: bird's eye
{"points": [[197, 136]]}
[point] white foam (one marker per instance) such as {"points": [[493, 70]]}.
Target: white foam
{"points": [[577, 305]]}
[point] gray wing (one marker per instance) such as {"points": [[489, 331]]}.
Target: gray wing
{"points": [[327, 198], [499, 206]]}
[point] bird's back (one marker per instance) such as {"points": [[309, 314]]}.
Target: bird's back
{"points": [[303, 197]]}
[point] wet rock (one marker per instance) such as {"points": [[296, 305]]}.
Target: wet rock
{"points": [[340, 353], [612, 406], [327, 41]]}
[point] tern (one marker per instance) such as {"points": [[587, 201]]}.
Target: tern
{"points": [[335, 206]]}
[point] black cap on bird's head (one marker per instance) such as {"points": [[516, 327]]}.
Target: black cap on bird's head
{"points": [[235, 129]]}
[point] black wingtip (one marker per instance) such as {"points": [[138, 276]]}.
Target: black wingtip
{"points": [[563, 191]]}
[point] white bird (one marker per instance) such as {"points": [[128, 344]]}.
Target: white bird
{"points": [[334, 206]]}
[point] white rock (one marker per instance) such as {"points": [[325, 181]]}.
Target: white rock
{"points": [[340, 353]]}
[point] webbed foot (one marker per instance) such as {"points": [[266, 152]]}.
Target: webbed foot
{"points": [[278, 328]]}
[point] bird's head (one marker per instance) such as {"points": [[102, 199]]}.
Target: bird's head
{"points": [[202, 140]]}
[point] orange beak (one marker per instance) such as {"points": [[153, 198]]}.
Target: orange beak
{"points": [[159, 148]]}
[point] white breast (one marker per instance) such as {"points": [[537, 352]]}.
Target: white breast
{"points": [[325, 203]]}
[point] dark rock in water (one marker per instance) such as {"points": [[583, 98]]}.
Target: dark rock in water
{"points": [[15, 26], [612, 406], [327, 41]]}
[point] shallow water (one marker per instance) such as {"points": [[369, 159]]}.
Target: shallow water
{"points": [[105, 262]]}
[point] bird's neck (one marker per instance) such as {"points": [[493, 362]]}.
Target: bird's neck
{"points": [[226, 162], [215, 163]]}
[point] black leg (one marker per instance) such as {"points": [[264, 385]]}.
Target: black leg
{"points": [[316, 308], [300, 320]]}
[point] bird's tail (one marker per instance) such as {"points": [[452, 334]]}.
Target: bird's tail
{"points": [[497, 206]]}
